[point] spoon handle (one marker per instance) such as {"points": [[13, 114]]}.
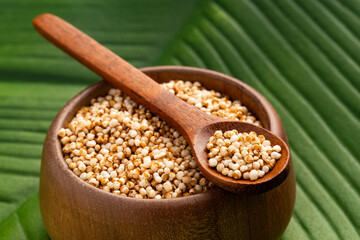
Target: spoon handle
{"points": [[140, 87]]}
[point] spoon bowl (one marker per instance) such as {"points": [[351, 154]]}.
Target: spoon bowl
{"points": [[270, 180]]}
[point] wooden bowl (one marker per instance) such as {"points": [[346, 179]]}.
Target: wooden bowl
{"points": [[73, 209]]}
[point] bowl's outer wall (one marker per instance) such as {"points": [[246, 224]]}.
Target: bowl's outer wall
{"points": [[72, 209]]}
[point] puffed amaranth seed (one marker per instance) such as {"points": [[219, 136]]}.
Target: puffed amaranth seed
{"points": [[117, 145]]}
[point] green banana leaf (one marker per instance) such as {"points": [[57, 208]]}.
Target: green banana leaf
{"points": [[302, 55]]}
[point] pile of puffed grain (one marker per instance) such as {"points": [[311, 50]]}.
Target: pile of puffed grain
{"points": [[120, 147], [242, 155]]}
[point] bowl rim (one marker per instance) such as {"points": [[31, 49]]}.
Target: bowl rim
{"points": [[52, 145]]}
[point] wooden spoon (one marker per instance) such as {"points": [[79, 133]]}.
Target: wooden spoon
{"points": [[196, 126]]}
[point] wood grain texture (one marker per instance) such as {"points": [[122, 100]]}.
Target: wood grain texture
{"points": [[73, 209], [196, 126]]}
